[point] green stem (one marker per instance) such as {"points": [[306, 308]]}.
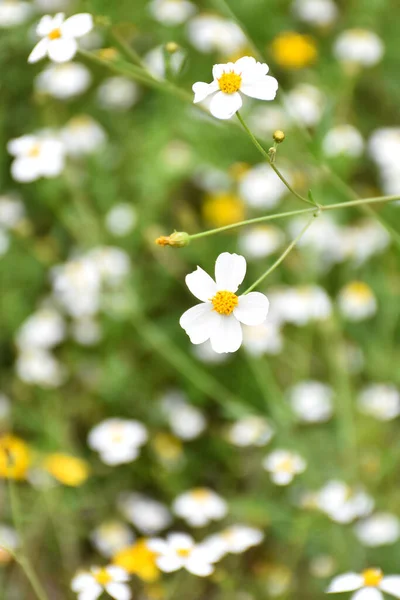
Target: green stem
{"points": [[282, 256], [267, 158], [127, 49]]}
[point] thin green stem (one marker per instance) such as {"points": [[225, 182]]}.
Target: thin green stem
{"points": [[282, 256], [265, 154], [129, 51]]}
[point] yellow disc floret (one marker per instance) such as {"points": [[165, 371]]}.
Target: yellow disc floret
{"points": [[372, 577], [55, 34], [224, 302], [293, 50], [103, 577], [229, 83]]}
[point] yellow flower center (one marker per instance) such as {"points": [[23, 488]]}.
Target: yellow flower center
{"points": [[69, 470], [103, 577], [200, 494], [229, 83], [286, 465], [55, 34], [183, 552], [372, 577], [224, 302], [138, 560], [293, 50], [34, 151], [223, 208], [360, 289]]}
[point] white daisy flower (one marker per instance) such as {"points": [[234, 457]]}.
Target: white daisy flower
{"points": [[121, 219], [342, 503], [261, 188], [83, 135], [63, 81], [235, 540], [91, 584], [221, 311], [316, 12], [283, 465], [380, 400], [212, 33], [343, 140], [12, 211], [304, 104], [200, 506], [251, 431], [59, 36], [380, 529], [179, 551], [369, 584], [36, 155], [186, 421], [36, 366], [110, 537], [148, 515], [359, 46], [171, 12], [311, 401], [357, 301], [246, 75], [118, 93], [43, 329], [265, 339], [261, 241], [14, 13], [117, 440]]}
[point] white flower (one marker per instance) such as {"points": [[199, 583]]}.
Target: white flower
{"points": [[121, 219], [266, 118], [46, 6], [76, 285], [186, 421], [12, 211], [117, 93], [148, 515], [91, 584], [86, 331], [250, 431], [155, 61], [179, 551], [110, 537], [265, 339], [353, 240], [343, 504], [300, 305], [221, 311], [83, 135], [206, 354], [14, 13], [200, 506], [44, 329], [304, 104], [370, 584], [311, 401], [357, 301], [38, 367], [37, 155], [59, 36], [210, 33], [117, 440], [235, 540], [380, 400], [283, 465], [64, 81], [171, 12], [261, 241], [246, 75], [380, 529], [359, 46], [316, 12], [325, 240], [260, 187], [113, 264], [343, 140]]}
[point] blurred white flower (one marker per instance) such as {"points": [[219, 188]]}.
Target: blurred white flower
{"points": [[38, 367], [246, 75], [86, 331], [221, 312], [51, 5], [117, 441], [118, 93], [89, 585], [59, 36], [265, 119], [380, 529], [316, 12], [369, 584], [359, 46], [148, 515], [76, 285], [261, 188], [325, 239], [384, 149], [172, 12], [179, 551], [211, 33], [299, 305], [12, 211], [13, 12], [199, 506], [322, 566], [155, 61], [265, 339], [37, 155], [251, 431], [343, 140], [64, 81], [234, 539], [206, 354], [305, 104], [113, 264], [380, 400], [110, 537], [43, 329], [283, 465], [311, 401], [121, 219], [354, 236], [342, 503], [186, 421], [261, 241], [83, 135], [356, 301]]}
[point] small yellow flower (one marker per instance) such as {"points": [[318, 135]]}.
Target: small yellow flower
{"points": [[14, 457], [293, 50], [223, 208], [67, 469], [167, 447], [138, 560]]}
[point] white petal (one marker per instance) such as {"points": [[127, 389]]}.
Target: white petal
{"points": [[202, 90], [21, 145], [39, 51], [245, 63], [91, 594], [201, 285], [169, 563], [119, 591], [25, 170], [224, 106], [264, 89], [198, 567], [118, 574], [198, 322], [345, 583], [227, 335], [367, 593], [391, 585], [230, 270], [77, 25], [252, 308], [81, 581], [62, 50], [218, 70], [47, 24], [282, 477]]}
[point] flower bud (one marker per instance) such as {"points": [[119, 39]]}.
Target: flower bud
{"points": [[171, 47], [178, 239], [278, 136]]}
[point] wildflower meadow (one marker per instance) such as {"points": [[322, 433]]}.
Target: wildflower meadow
{"points": [[200, 299]]}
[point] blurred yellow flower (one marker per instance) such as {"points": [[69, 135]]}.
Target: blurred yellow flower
{"points": [[293, 50], [223, 208], [167, 446], [14, 457], [67, 469], [138, 560]]}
